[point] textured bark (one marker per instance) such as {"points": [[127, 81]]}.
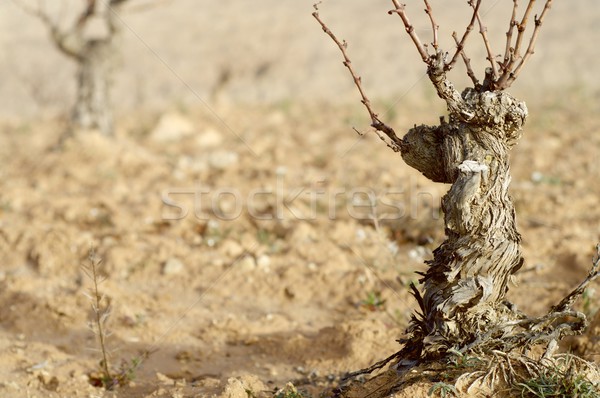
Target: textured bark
{"points": [[466, 282], [93, 108]]}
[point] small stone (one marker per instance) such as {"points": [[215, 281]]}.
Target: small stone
{"points": [[221, 159], [248, 263], [172, 127], [50, 383], [243, 386], [273, 372], [393, 248], [361, 235], [163, 379], [232, 249], [209, 139], [173, 266], [264, 263], [537, 176], [38, 366], [281, 171], [193, 164], [289, 292], [418, 253]]}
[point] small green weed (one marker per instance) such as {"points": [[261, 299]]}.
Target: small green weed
{"points": [[289, 391], [462, 361], [558, 381], [443, 389], [264, 237], [373, 302]]}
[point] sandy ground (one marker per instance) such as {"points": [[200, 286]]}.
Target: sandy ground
{"points": [[244, 250]]}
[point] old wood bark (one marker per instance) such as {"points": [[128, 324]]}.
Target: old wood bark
{"points": [[466, 282]]}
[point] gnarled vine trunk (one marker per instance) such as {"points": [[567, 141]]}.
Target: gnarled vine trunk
{"points": [[465, 285], [462, 303]]}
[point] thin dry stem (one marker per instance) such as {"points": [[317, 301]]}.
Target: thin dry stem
{"points": [[396, 143], [101, 311], [59, 35], [486, 42], [511, 72], [508, 54], [461, 45], [530, 48], [466, 60], [87, 12], [570, 299], [521, 32], [434, 26], [399, 9]]}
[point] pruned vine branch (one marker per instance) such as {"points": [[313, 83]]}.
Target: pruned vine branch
{"points": [[466, 60], [43, 15], [503, 71], [512, 76], [395, 142], [460, 45], [434, 26], [513, 61], [400, 10], [486, 42], [87, 12], [594, 273], [508, 50]]}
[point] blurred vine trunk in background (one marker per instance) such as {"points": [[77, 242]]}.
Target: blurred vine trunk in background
{"points": [[93, 108], [95, 55]]}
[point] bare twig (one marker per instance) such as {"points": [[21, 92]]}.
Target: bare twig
{"points": [[566, 303], [466, 60], [516, 51], [60, 37], [396, 143], [486, 42], [530, 48], [399, 9], [86, 14], [461, 45], [434, 26], [508, 51], [374, 367], [521, 31]]}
